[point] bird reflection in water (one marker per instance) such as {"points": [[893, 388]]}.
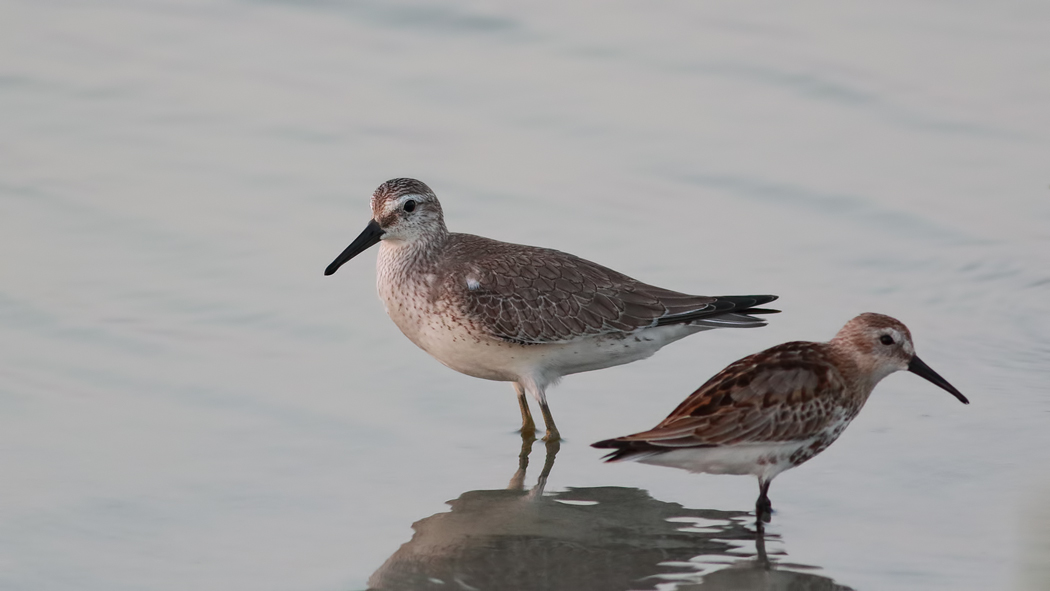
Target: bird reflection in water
{"points": [[585, 539]]}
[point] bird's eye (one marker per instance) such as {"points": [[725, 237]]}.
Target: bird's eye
{"points": [[410, 205], [886, 339]]}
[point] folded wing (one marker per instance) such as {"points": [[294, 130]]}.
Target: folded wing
{"points": [[536, 295], [781, 394]]}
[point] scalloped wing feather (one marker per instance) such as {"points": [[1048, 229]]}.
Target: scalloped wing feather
{"points": [[788, 393], [537, 295]]}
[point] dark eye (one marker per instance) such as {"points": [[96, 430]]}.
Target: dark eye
{"points": [[886, 339], [410, 205]]}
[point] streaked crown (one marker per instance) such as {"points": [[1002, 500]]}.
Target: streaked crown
{"points": [[880, 344], [407, 209], [395, 189]]}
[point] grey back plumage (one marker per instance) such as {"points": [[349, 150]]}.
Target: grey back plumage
{"points": [[534, 295]]}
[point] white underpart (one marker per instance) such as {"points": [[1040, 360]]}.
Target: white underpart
{"points": [[764, 460]]}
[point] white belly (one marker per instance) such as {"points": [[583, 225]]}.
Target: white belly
{"points": [[616, 349], [759, 459], [468, 350], [474, 355]]}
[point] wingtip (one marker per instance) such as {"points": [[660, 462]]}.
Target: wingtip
{"points": [[726, 311], [619, 449], [625, 449], [746, 302]]}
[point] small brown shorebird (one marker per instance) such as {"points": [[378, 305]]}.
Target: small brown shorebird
{"points": [[777, 409], [517, 313]]}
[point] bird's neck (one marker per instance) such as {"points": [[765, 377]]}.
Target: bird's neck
{"points": [[866, 373], [412, 256]]}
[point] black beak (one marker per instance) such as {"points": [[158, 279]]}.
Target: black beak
{"points": [[369, 237], [917, 367]]}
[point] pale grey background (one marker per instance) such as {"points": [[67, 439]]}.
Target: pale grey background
{"points": [[186, 403]]}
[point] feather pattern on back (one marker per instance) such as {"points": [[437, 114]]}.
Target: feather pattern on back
{"points": [[791, 392], [532, 295]]}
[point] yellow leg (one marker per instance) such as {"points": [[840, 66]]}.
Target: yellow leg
{"points": [[528, 426], [548, 420]]}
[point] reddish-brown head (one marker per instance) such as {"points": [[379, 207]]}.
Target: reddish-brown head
{"points": [[880, 345]]}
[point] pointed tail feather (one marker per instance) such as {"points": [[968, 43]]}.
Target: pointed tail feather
{"points": [[623, 450], [725, 312]]}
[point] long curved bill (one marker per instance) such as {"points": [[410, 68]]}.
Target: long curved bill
{"points": [[368, 237], [919, 368]]}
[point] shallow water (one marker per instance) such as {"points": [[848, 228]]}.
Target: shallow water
{"points": [[186, 402]]}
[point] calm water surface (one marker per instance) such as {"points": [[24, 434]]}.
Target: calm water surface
{"points": [[187, 403]]}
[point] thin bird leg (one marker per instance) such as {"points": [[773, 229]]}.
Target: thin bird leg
{"points": [[528, 426], [763, 507], [548, 420], [530, 386]]}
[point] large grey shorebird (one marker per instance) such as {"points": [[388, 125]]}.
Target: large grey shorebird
{"points": [[520, 314]]}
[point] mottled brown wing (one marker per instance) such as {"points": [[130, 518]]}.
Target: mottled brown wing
{"points": [[537, 295], [786, 393]]}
